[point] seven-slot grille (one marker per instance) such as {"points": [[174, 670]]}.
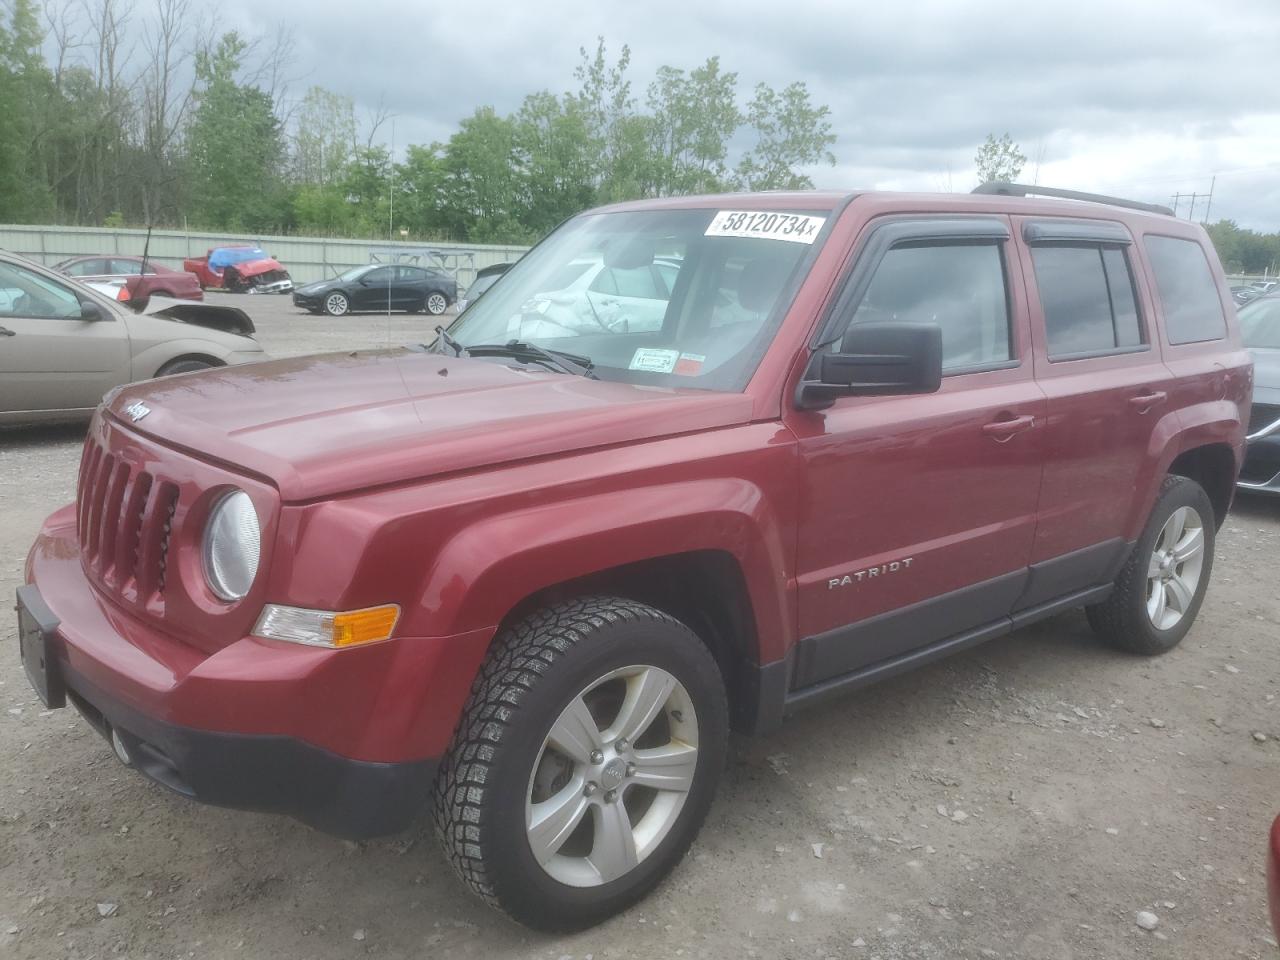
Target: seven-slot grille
{"points": [[124, 517], [1263, 416]]}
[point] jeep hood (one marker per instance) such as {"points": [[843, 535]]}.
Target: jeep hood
{"points": [[322, 425]]}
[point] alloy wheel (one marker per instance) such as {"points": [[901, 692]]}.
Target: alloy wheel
{"points": [[336, 304], [1174, 569], [436, 304], [612, 776]]}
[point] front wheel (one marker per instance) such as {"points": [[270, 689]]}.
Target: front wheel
{"points": [[436, 304], [585, 761], [336, 304], [1159, 592]]}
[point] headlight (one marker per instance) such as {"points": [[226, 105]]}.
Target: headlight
{"points": [[232, 546]]}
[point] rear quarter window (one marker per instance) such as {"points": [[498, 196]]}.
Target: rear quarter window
{"points": [[1187, 291]]}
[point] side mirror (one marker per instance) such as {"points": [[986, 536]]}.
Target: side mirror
{"points": [[91, 311], [877, 359]]}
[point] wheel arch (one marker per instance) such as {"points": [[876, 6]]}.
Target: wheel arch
{"points": [[1214, 467], [704, 589]]}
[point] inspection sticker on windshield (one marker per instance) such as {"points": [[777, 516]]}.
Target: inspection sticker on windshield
{"points": [[652, 360], [763, 225]]}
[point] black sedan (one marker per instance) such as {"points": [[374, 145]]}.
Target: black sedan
{"points": [[380, 287], [1260, 329]]}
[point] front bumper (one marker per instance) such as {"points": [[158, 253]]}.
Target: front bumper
{"points": [[347, 741]]}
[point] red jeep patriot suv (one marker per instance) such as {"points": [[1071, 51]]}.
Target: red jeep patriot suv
{"points": [[690, 465]]}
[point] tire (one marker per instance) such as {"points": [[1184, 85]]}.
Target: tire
{"points": [[1128, 618], [556, 666], [184, 366], [435, 303], [336, 304]]}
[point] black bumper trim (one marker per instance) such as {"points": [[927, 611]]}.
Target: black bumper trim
{"points": [[354, 799]]}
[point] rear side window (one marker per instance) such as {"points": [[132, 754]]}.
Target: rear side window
{"points": [[1188, 293], [1086, 291], [959, 286]]}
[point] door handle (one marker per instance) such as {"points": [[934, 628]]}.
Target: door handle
{"points": [[6, 332], [1147, 400], [1002, 431]]}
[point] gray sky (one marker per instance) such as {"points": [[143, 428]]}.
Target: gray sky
{"points": [[1142, 98]]}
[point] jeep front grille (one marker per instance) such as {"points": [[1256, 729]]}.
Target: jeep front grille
{"points": [[124, 516]]}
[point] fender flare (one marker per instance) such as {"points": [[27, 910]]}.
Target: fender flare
{"points": [[486, 569]]}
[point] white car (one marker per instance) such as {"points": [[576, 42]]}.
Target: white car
{"points": [[587, 294]]}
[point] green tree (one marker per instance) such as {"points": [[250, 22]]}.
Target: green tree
{"points": [[325, 137], [235, 145], [481, 186], [558, 160], [999, 160], [25, 91], [693, 117], [790, 133], [419, 181]]}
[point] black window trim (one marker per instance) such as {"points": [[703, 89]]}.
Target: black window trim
{"points": [[917, 231], [1158, 297], [1143, 327]]}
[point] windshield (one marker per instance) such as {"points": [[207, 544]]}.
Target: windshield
{"points": [[1260, 324], [687, 298], [355, 273]]}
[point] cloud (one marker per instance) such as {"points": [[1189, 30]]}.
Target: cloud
{"points": [[1138, 97]]}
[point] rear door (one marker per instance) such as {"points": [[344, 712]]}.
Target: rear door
{"points": [[918, 512], [51, 358], [1108, 392]]}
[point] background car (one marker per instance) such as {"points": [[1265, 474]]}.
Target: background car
{"points": [[380, 287], [242, 269], [486, 277], [1260, 330], [142, 280], [1244, 293], [64, 345]]}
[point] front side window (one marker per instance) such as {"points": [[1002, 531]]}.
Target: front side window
{"points": [[27, 294], [1188, 292], [959, 286], [1087, 294], [680, 298]]}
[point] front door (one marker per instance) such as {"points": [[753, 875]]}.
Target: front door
{"points": [[51, 358], [918, 512]]}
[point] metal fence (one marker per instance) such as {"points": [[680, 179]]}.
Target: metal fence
{"points": [[306, 258]]}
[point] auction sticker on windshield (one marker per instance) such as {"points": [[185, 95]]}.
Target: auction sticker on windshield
{"points": [[652, 360], [763, 225]]}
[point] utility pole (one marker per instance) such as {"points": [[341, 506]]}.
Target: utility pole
{"points": [[1212, 184]]}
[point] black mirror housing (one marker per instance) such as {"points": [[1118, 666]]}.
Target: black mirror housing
{"points": [[877, 359]]}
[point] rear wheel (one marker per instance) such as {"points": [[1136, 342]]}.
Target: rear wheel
{"points": [[336, 304], [1159, 592], [436, 303], [585, 762]]}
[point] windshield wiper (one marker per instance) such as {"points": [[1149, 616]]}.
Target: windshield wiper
{"points": [[524, 350], [457, 348]]}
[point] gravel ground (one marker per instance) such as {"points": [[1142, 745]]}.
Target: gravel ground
{"points": [[1025, 800]]}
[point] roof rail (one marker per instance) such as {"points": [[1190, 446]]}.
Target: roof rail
{"points": [[1000, 188]]}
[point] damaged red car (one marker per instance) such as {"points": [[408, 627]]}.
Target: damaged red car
{"points": [[244, 269]]}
